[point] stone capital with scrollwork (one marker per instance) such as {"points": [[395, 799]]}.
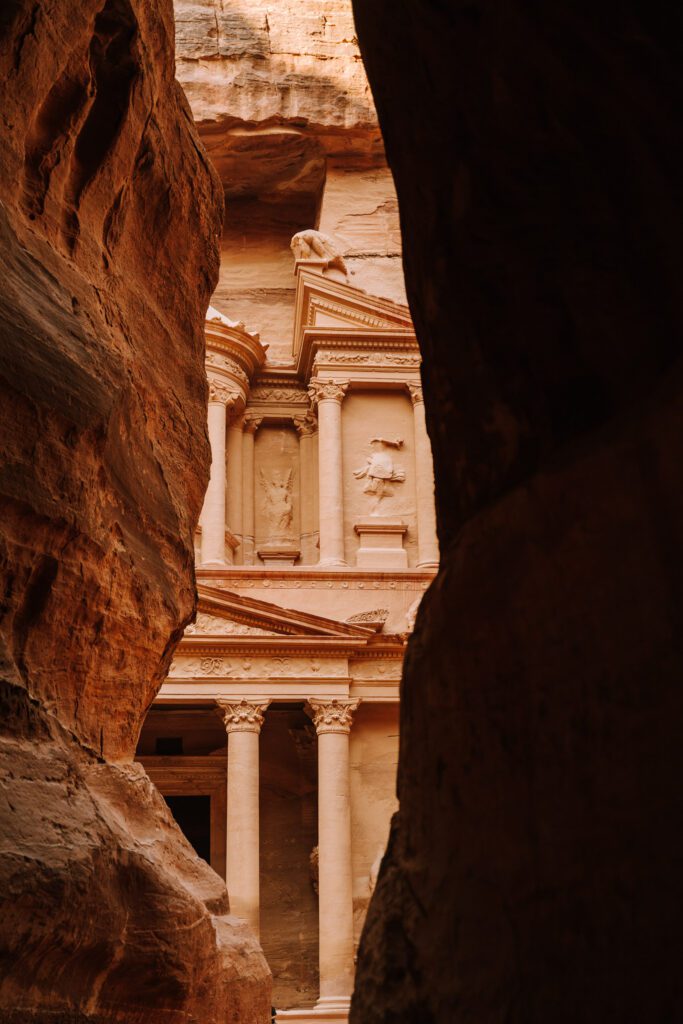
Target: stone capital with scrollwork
{"points": [[415, 392], [327, 390], [242, 715], [252, 423], [305, 425], [331, 714], [220, 392]]}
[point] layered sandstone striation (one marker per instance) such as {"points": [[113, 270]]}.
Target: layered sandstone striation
{"points": [[532, 870], [282, 104], [110, 219]]}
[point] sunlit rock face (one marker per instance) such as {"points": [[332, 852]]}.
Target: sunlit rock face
{"points": [[110, 218], [532, 871]]}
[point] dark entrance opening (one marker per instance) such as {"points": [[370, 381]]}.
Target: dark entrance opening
{"points": [[193, 815]]}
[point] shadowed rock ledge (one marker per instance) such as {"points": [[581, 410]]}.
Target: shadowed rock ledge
{"points": [[109, 229], [532, 874]]}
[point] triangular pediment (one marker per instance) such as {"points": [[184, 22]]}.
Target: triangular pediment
{"points": [[325, 303], [226, 615]]}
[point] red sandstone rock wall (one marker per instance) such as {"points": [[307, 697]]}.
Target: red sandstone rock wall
{"points": [[109, 225], [532, 875]]}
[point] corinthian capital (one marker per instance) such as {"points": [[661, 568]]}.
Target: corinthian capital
{"points": [[252, 423], [219, 392], [415, 391], [331, 715], [305, 425], [242, 715], [326, 390]]}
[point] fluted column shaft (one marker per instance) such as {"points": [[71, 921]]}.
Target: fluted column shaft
{"points": [[427, 541], [329, 397], [234, 490], [243, 721], [332, 719]]}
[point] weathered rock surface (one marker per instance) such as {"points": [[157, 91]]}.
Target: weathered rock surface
{"points": [[533, 874], [109, 229], [283, 106]]}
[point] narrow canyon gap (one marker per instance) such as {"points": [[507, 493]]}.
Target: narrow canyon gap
{"points": [[532, 870], [110, 219]]}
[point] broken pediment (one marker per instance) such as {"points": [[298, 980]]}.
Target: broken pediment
{"points": [[226, 614]]}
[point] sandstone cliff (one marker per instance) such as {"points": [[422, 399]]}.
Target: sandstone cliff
{"points": [[282, 104], [109, 227], [533, 872]]}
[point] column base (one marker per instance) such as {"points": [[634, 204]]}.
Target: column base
{"points": [[381, 543], [427, 565], [278, 554], [328, 1010]]}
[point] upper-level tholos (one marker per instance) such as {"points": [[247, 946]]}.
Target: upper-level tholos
{"points": [[322, 458]]}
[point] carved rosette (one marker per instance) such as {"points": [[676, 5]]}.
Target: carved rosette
{"points": [[332, 715], [415, 392], [327, 391], [243, 715]]}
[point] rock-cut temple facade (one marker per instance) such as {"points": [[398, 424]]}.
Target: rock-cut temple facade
{"points": [[275, 737]]}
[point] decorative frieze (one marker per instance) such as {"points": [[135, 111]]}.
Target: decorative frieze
{"points": [[367, 358], [272, 667]]}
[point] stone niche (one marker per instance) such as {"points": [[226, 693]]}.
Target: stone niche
{"points": [[277, 502], [367, 415]]}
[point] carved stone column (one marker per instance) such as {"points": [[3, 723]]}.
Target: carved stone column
{"points": [[234, 492], [305, 426], [329, 396], [243, 720], [213, 513], [251, 425], [427, 542], [332, 718]]}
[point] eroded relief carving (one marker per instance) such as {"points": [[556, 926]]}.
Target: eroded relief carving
{"points": [[218, 392], [277, 503], [379, 471], [258, 668], [314, 245], [214, 625], [373, 617]]}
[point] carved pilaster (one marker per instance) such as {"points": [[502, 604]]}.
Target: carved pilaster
{"points": [[332, 715], [243, 715], [329, 390]]}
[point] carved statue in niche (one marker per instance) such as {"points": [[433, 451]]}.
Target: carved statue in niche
{"points": [[379, 471], [277, 503]]}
